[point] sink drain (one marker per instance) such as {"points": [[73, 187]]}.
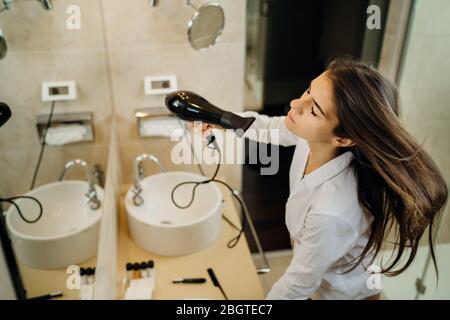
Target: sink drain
{"points": [[165, 222]]}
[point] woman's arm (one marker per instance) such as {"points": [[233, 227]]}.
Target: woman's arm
{"points": [[324, 240], [264, 129], [269, 129]]}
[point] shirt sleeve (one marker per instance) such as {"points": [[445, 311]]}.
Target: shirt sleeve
{"points": [[324, 240], [268, 129]]}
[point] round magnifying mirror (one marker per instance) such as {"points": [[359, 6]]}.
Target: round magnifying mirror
{"points": [[3, 47], [206, 26]]}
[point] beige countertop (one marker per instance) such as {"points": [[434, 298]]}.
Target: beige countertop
{"points": [[234, 267], [39, 282]]}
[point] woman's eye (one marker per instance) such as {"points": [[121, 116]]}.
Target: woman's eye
{"points": [[312, 112]]}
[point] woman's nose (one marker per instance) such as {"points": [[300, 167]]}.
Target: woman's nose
{"points": [[296, 105], [293, 103]]}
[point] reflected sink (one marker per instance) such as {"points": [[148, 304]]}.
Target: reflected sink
{"points": [[66, 234], [160, 227]]}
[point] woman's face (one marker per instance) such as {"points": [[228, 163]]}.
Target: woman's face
{"points": [[313, 115]]}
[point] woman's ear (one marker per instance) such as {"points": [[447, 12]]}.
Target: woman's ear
{"points": [[343, 142]]}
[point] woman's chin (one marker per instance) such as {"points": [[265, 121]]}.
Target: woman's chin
{"points": [[288, 123], [291, 127]]}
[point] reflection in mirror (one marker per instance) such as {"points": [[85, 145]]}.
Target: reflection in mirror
{"points": [[55, 225], [47, 4], [3, 46], [206, 26], [69, 224], [50, 240]]}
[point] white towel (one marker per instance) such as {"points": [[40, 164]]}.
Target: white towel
{"points": [[161, 126], [65, 134]]}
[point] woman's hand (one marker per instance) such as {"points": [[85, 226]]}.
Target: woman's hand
{"points": [[204, 128]]}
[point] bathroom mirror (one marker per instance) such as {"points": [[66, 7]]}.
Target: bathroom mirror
{"points": [[206, 26], [66, 174], [3, 47]]}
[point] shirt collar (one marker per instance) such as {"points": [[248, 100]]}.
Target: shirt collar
{"points": [[328, 170]]}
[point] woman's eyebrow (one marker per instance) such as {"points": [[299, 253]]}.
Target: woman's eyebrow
{"points": [[315, 102]]}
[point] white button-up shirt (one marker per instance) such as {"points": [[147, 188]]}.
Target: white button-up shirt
{"points": [[326, 224]]}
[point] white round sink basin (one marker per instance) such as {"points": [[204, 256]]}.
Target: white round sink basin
{"points": [[160, 227], [66, 234]]}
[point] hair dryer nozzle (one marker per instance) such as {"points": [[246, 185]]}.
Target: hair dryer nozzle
{"points": [[190, 106], [5, 113]]}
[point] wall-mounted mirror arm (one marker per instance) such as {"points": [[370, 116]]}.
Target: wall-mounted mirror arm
{"points": [[188, 2]]}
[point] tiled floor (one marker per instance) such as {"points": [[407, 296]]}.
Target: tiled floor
{"points": [[401, 287], [279, 261]]}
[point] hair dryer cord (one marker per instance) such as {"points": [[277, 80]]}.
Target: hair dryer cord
{"points": [[234, 241]]}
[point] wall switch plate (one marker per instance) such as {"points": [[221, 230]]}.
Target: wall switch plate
{"points": [[160, 84], [59, 90]]}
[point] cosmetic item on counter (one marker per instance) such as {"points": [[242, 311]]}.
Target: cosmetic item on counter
{"points": [[216, 283], [141, 281], [83, 279], [189, 280], [128, 275], [129, 268], [87, 283], [90, 275], [140, 289], [136, 271], [51, 295], [143, 268], [87, 292], [151, 269]]}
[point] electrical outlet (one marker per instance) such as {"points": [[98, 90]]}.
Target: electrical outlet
{"points": [[160, 84], [59, 91]]}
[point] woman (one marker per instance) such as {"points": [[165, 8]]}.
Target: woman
{"points": [[356, 175]]}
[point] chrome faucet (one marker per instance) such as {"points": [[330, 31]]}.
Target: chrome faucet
{"points": [[139, 174], [99, 175], [94, 202]]}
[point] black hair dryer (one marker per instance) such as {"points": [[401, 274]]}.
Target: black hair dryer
{"points": [[5, 113], [190, 106]]}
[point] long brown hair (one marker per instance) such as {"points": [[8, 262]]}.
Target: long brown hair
{"points": [[398, 182]]}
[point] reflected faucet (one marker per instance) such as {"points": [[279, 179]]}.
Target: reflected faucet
{"points": [[99, 175], [47, 4], [94, 202], [139, 174]]}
